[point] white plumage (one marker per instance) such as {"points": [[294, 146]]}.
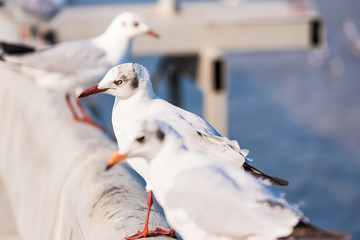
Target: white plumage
{"points": [[136, 100], [195, 173], [202, 198]]}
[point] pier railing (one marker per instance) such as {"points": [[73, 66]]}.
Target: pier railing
{"points": [[52, 170]]}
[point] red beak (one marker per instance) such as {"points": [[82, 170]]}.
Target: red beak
{"points": [[91, 91], [152, 33]]}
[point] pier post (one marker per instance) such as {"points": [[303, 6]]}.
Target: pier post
{"points": [[212, 80]]}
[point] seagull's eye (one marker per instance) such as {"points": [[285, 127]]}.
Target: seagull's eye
{"points": [[118, 82], [136, 24], [140, 139]]}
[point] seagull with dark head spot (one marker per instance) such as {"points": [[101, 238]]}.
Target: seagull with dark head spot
{"points": [[206, 200], [136, 101], [71, 67]]}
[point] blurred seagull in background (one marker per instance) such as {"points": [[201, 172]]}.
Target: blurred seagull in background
{"points": [[135, 101], [74, 66], [33, 12], [206, 200], [352, 34], [298, 5]]}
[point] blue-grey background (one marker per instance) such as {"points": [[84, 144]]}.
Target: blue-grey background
{"points": [[298, 112]]}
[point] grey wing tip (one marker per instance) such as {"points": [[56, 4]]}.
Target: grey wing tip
{"points": [[305, 230]]}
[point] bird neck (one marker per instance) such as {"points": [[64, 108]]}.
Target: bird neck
{"points": [[116, 44], [163, 166], [173, 146], [137, 101]]}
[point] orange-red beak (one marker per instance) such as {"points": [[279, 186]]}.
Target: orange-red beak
{"points": [[152, 33], [93, 90], [117, 158]]}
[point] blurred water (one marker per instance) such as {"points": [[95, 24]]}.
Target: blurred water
{"points": [[299, 114]]}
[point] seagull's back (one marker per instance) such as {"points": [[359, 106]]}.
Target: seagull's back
{"points": [[65, 58], [207, 200], [199, 135]]}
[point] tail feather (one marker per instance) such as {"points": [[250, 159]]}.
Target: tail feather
{"points": [[15, 48], [258, 174], [305, 230]]}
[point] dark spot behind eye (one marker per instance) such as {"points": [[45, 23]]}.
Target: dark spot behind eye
{"points": [[135, 79], [123, 24], [140, 139], [160, 134], [135, 83]]}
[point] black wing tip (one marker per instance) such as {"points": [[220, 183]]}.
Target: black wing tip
{"points": [[305, 230], [258, 174], [16, 48], [278, 181]]}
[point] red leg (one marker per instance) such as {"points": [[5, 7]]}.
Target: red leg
{"points": [[25, 32], [75, 116], [160, 231], [145, 233], [86, 118]]}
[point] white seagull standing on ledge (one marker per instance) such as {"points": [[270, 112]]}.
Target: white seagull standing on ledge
{"points": [[74, 66], [135, 101], [206, 200]]}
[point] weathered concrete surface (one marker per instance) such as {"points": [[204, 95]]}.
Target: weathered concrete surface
{"points": [[7, 226], [53, 170]]}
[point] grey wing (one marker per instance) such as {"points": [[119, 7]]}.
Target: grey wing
{"points": [[224, 142], [198, 123], [204, 130], [244, 206], [66, 58], [199, 135]]}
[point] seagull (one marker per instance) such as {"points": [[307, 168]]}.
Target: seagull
{"points": [[135, 101], [33, 12], [298, 5], [74, 66], [204, 199]]}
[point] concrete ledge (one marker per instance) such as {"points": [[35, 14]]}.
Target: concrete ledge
{"points": [[249, 26], [53, 170], [7, 225]]}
